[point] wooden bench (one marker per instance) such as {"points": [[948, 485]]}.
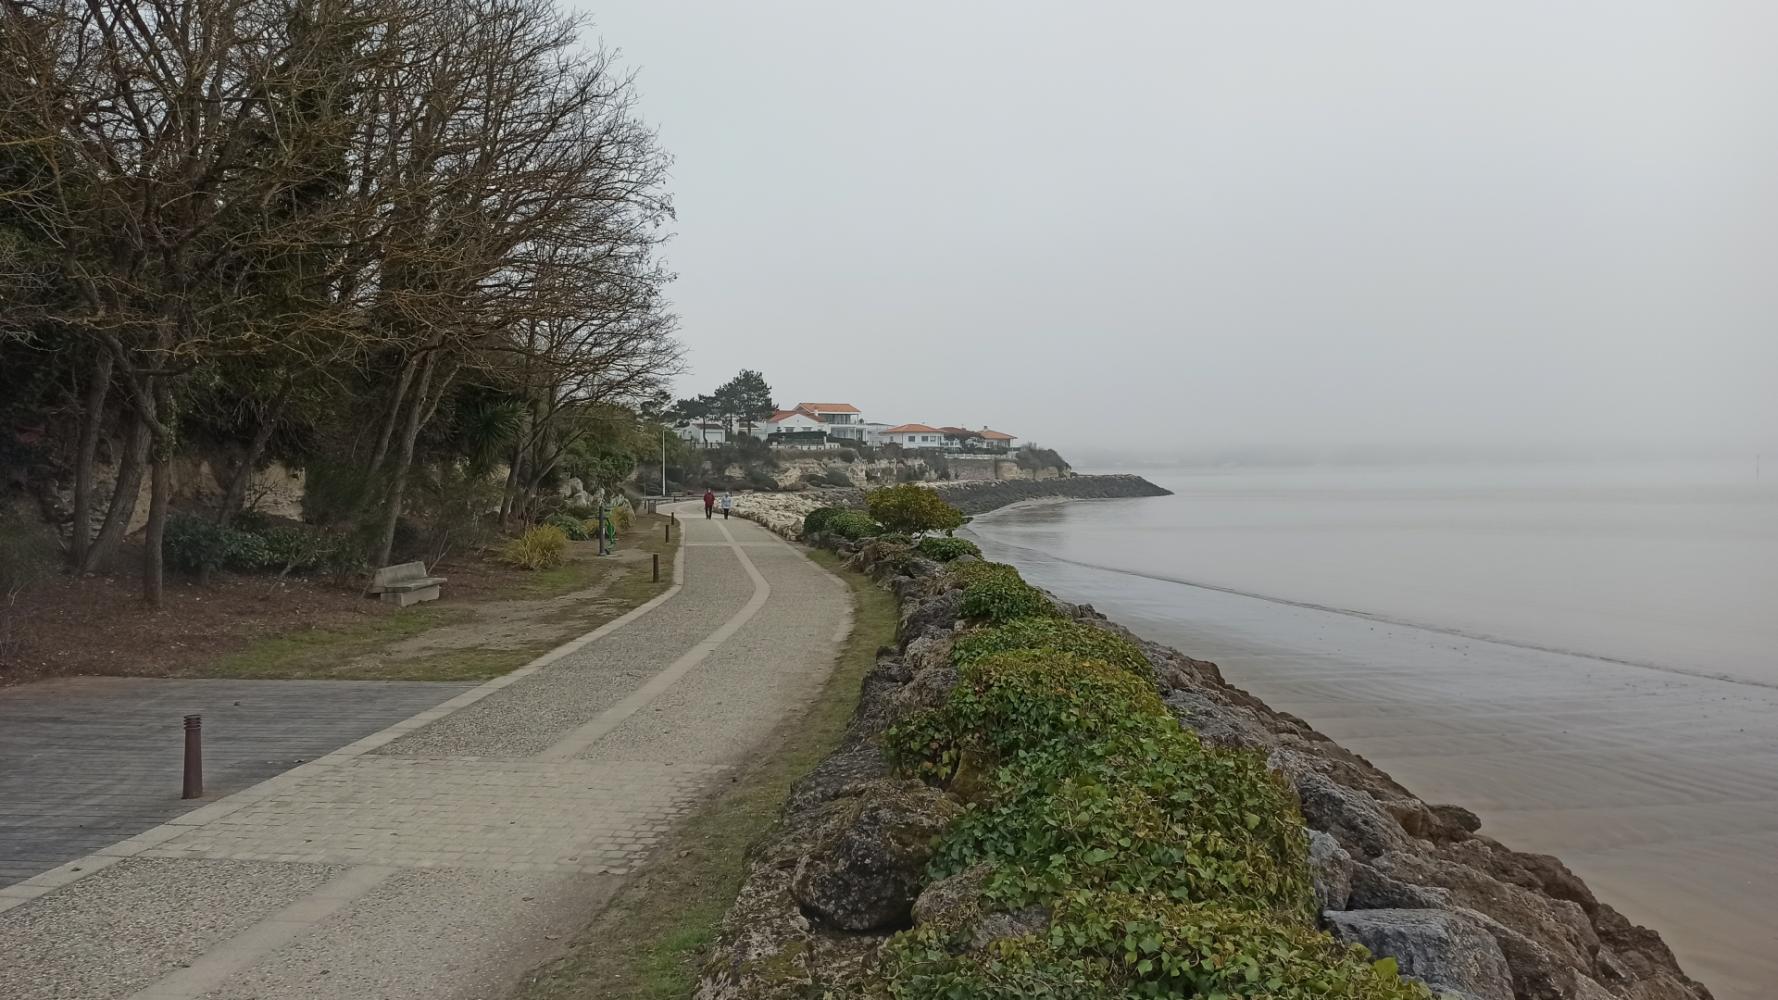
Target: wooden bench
{"points": [[404, 584]]}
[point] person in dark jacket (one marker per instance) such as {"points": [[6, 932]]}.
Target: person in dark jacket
{"points": [[709, 504]]}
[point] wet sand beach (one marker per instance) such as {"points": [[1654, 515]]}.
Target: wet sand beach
{"points": [[1660, 788]]}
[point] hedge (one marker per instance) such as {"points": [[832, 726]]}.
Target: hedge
{"points": [[945, 549]]}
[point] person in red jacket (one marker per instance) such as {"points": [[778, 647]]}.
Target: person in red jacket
{"points": [[709, 503]]}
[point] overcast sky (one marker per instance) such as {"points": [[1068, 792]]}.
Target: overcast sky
{"points": [[1230, 223]]}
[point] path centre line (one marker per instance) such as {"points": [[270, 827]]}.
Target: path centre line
{"points": [[590, 732]]}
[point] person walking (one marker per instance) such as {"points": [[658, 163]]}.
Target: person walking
{"points": [[709, 504], [728, 503]]}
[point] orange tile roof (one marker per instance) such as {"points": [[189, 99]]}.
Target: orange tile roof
{"points": [[996, 435], [828, 407], [913, 429], [784, 414]]}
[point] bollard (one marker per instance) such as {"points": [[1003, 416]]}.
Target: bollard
{"points": [[194, 757], [666, 532], [657, 567]]}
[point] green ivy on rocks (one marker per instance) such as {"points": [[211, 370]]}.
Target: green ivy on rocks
{"points": [[945, 549], [1058, 635], [994, 592], [1167, 868], [1121, 945]]}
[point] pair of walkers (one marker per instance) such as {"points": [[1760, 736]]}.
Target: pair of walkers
{"points": [[710, 504]]}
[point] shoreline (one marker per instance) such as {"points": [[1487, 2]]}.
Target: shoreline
{"points": [[1387, 863], [1649, 782]]}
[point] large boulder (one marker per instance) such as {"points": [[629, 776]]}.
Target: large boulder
{"points": [[1447, 950], [1353, 818], [868, 862], [1330, 869]]}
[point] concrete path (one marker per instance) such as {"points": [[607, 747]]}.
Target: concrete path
{"points": [[445, 855], [88, 761]]}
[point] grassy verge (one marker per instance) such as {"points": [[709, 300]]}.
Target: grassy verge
{"points": [[356, 650], [650, 941]]}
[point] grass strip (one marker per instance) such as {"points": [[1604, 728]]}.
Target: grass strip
{"points": [[650, 942]]}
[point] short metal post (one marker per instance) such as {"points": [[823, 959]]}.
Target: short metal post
{"points": [[666, 532], [194, 757], [657, 567]]}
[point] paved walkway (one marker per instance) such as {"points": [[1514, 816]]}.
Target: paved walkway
{"points": [[444, 855], [88, 761]]}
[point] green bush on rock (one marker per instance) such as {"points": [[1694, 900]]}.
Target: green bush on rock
{"points": [[1002, 598], [816, 520], [1122, 945], [912, 508], [945, 549], [852, 524], [1057, 635]]}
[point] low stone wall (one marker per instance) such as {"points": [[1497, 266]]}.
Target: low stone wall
{"points": [[1418, 882]]}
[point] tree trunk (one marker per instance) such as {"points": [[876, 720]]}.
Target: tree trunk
{"points": [[386, 433], [92, 421], [123, 499], [236, 495], [510, 492], [416, 416], [159, 490], [159, 484]]}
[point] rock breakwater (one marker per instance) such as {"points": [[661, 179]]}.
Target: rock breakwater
{"points": [[847, 878], [784, 512]]}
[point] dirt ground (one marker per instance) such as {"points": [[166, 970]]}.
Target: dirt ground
{"points": [[488, 620]]}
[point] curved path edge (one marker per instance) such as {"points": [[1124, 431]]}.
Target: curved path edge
{"points": [[73, 871]]}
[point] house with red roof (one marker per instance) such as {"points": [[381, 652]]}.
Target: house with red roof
{"points": [[843, 420], [914, 436]]}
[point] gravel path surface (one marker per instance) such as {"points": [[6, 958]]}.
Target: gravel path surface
{"points": [[445, 856]]}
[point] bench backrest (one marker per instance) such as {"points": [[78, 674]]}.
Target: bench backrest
{"points": [[398, 573]]}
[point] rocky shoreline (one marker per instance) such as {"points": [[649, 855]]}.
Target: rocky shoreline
{"points": [[844, 869], [783, 512]]}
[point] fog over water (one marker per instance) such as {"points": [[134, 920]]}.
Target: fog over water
{"points": [[1135, 229], [1670, 565]]}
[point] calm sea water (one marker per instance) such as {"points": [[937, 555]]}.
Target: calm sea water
{"points": [[1673, 566]]}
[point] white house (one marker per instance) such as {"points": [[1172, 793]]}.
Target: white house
{"points": [[914, 436], [843, 420], [873, 432], [996, 440], [788, 422], [706, 433]]}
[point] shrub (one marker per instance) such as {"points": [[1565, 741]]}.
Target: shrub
{"points": [[973, 572], [913, 509], [946, 549], [1011, 702], [834, 477], [1054, 635], [816, 520], [852, 524], [848, 456], [198, 545], [544, 546], [623, 516], [1002, 597], [572, 528]]}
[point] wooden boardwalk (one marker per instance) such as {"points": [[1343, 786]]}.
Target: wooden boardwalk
{"points": [[86, 762]]}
